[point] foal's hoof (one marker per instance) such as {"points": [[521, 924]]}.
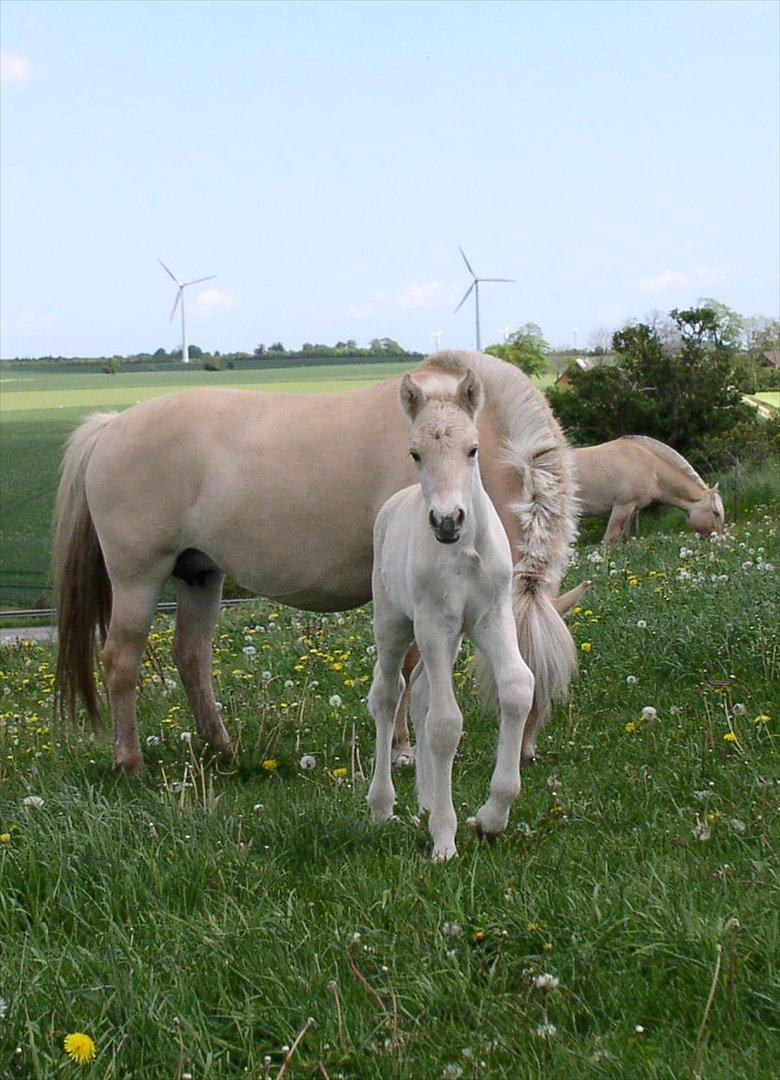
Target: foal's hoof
{"points": [[444, 853], [403, 755], [481, 829]]}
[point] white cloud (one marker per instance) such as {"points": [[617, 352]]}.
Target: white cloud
{"points": [[211, 301], [675, 280], [27, 321], [422, 295], [418, 296], [13, 67]]}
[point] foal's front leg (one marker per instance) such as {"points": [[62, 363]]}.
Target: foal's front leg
{"points": [[496, 636], [443, 727], [393, 634]]}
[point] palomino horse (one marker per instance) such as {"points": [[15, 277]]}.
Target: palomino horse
{"points": [[281, 492], [442, 568], [621, 477]]}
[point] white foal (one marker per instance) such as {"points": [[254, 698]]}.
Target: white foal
{"points": [[442, 568]]}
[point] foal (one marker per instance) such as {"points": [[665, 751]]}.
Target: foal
{"points": [[442, 568]]}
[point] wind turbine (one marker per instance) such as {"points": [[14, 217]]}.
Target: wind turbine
{"points": [[185, 356], [474, 286], [436, 339]]}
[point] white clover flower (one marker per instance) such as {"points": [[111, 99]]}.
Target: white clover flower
{"points": [[3, 1008], [170, 684], [340, 620], [249, 650], [641, 624], [308, 761], [355, 938], [451, 929], [186, 736], [702, 831], [649, 713], [258, 808], [34, 802], [738, 709], [335, 701], [632, 680], [546, 981], [638, 1029], [595, 557], [452, 1070], [737, 825], [546, 1030], [314, 684], [288, 684], [248, 639], [272, 626], [152, 740]]}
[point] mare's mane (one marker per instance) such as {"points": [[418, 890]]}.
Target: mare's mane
{"points": [[669, 455]]}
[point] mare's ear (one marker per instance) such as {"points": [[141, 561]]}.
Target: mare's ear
{"points": [[411, 397], [469, 394]]}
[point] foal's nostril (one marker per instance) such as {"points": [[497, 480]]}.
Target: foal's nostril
{"points": [[432, 519], [459, 516]]}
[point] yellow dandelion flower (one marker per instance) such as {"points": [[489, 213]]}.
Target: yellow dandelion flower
{"points": [[762, 718], [79, 1047], [730, 737], [586, 646], [548, 946], [339, 774], [5, 838], [630, 727], [478, 935], [270, 764]]}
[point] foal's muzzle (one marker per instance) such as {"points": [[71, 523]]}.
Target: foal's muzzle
{"points": [[447, 528]]}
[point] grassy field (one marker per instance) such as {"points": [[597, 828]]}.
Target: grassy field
{"points": [[191, 921]]}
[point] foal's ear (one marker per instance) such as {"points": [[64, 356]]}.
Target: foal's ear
{"points": [[411, 396], [469, 393]]}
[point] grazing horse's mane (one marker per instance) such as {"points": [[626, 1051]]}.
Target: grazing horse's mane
{"points": [[669, 455]]}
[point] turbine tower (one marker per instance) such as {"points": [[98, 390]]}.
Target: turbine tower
{"points": [[185, 356], [436, 339], [474, 286]]}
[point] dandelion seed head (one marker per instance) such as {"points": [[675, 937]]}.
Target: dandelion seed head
{"points": [[335, 701], [308, 761], [649, 713], [33, 802]]}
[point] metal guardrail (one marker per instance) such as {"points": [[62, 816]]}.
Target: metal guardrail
{"points": [[167, 605]]}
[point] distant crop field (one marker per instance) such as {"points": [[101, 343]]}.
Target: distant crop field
{"points": [[769, 397], [624, 927]]}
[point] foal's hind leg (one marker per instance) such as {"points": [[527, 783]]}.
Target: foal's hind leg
{"points": [[196, 617], [393, 633], [403, 751], [132, 611]]}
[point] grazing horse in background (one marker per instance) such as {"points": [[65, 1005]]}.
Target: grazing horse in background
{"points": [[281, 492], [621, 477], [442, 569]]}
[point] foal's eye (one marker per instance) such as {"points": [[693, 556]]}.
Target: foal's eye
{"points": [[473, 451], [414, 455]]}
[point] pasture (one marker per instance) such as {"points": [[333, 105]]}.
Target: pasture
{"points": [[193, 920]]}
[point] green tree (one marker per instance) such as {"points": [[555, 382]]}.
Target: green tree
{"points": [[525, 348]]}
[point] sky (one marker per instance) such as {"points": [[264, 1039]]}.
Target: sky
{"points": [[325, 160]]}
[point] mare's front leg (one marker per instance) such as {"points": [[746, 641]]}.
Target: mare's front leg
{"points": [[496, 636], [439, 640], [392, 633]]}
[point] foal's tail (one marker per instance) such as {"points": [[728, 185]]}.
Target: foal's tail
{"points": [[82, 590]]}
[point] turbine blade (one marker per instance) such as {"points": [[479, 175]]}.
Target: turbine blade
{"points": [[469, 291], [197, 280], [170, 273], [468, 264], [176, 302], [508, 280]]}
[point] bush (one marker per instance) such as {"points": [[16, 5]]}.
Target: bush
{"points": [[111, 367], [682, 393], [211, 363], [767, 379]]}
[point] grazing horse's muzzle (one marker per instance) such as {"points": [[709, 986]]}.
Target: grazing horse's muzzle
{"points": [[446, 528]]}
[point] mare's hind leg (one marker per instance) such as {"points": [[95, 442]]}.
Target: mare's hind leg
{"points": [[196, 617], [132, 610], [619, 524]]}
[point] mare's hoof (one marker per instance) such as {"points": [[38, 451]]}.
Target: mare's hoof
{"points": [[403, 756], [128, 764], [526, 762]]}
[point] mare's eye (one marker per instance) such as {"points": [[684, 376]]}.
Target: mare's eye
{"points": [[473, 451], [414, 455]]}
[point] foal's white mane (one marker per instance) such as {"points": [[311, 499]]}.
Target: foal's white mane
{"points": [[671, 456]]}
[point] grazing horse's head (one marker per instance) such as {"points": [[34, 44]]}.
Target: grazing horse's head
{"points": [[443, 445], [705, 516]]}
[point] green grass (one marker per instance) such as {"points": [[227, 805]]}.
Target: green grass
{"points": [[195, 928]]}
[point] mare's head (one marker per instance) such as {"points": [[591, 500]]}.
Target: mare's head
{"points": [[443, 445], [705, 516]]}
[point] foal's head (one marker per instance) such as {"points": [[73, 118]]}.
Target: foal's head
{"points": [[706, 515], [443, 445]]}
